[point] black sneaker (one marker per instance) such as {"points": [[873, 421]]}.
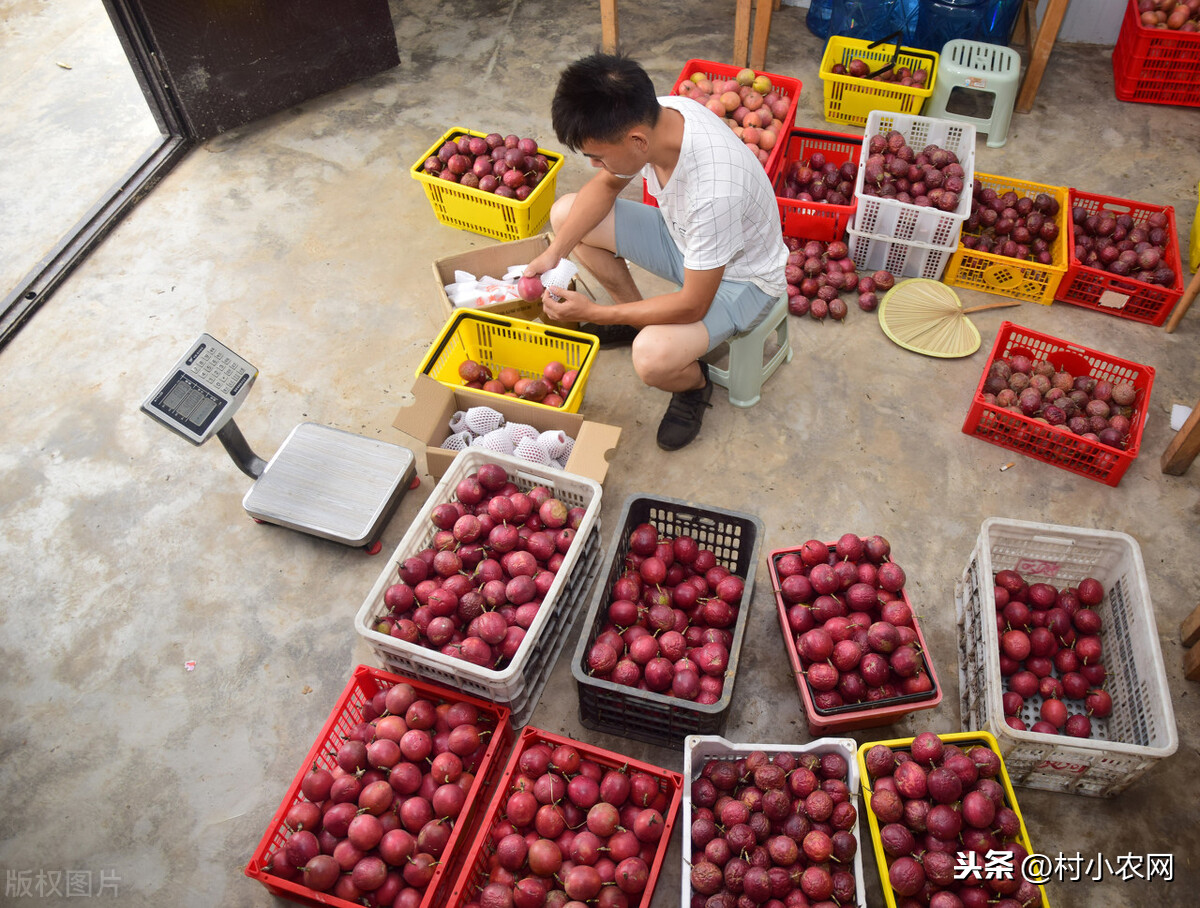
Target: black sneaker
{"points": [[611, 335], [681, 423]]}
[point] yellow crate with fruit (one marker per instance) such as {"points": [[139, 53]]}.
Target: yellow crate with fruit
{"points": [[988, 270], [500, 211], [853, 90], [502, 343]]}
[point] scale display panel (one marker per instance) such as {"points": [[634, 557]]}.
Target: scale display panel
{"points": [[203, 390]]}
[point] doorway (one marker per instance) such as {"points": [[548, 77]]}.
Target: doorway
{"points": [[75, 124], [98, 109]]}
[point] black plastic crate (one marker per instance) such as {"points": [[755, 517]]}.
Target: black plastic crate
{"points": [[655, 718]]}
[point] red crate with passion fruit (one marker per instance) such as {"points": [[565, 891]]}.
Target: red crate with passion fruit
{"points": [[756, 109], [571, 823], [851, 634]]}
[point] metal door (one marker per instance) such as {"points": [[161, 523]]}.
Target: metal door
{"points": [[229, 62]]}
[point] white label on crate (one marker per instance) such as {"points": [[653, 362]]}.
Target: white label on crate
{"points": [[976, 82], [1113, 300]]}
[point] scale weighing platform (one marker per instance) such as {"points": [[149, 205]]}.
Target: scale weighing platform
{"points": [[322, 481]]}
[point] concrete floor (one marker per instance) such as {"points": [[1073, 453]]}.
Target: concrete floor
{"points": [[302, 242]]}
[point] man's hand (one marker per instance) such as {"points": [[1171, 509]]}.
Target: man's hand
{"points": [[541, 264], [561, 304], [684, 306]]}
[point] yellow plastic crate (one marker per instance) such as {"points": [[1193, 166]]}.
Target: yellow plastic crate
{"points": [[500, 340], [962, 739], [1022, 280], [1194, 246], [484, 212], [851, 100]]}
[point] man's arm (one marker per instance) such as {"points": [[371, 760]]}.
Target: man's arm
{"points": [[592, 204], [682, 307]]}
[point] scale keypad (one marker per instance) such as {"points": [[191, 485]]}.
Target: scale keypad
{"points": [[219, 369]]}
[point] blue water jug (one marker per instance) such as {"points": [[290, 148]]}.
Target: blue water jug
{"points": [[875, 20], [999, 24], [817, 19], [990, 21]]}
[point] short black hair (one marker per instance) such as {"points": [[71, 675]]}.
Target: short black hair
{"points": [[599, 98]]}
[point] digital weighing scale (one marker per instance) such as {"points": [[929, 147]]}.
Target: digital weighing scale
{"points": [[322, 481]]}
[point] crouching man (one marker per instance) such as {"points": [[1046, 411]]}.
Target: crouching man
{"points": [[715, 233]]}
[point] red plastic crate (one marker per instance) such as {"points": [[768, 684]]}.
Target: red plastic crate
{"points": [[1155, 65], [857, 715], [1057, 445], [815, 220], [476, 866], [788, 87], [364, 684], [1094, 288]]}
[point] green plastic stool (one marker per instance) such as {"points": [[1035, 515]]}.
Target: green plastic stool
{"points": [[980, 67], [748, 363]]}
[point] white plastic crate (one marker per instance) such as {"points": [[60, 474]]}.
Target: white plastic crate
{"points": [[698, 749], [902, 259], [903, 220], [518, 685], [568, 606], [1141, 729]]}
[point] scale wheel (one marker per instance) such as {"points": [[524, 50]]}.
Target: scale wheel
{"points": [[416, 481], [373, 548]]}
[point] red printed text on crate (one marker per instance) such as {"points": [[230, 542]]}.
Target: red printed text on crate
{"points": [[1059, 766], [1041, 568]]}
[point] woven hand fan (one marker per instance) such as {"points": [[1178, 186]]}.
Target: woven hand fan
{"points": [[927, 317]]}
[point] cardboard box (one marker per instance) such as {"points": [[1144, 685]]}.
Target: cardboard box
{"points": [[427, 420], [493, 261]]}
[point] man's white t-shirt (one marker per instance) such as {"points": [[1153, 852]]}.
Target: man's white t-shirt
{"points": [[718, 204]]}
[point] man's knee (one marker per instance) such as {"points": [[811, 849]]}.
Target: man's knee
{"points": [[659, 353], [560, 209], [646, 354]]}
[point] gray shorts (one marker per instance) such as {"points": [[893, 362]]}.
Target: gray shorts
{"points": [[643, 238]]}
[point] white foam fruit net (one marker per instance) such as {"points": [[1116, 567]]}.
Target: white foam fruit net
{"points": [[518, 431], [529, 449], [550, 448], [497, 440], [456, 441], [566, 454], [482, 420], [554, 442], [560, 275]]}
